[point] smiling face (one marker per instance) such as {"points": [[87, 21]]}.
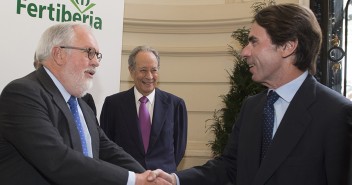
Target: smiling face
{"points": [[269, 64], [77, 69], [145, 73]]}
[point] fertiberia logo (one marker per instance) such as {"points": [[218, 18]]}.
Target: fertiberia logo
{"points": [[60, 13]]}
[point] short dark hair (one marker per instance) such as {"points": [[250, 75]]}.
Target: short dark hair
{"points": [[290, 22]]}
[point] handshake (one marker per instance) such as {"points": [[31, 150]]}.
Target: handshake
{"points": [[158, 177]]}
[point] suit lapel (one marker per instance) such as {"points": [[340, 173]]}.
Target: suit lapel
{"points": [[49, 85], [291, 129], [251, 132], [159, 115]]}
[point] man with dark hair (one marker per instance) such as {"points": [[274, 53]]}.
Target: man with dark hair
{"points": [[294, 133]]}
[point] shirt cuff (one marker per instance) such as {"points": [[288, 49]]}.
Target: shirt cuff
{"points": [[177, 180], [131, 178]]}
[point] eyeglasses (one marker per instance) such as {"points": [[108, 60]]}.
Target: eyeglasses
{"points": [[90, 51]]}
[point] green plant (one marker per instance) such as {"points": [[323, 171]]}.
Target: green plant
{"points": [[242, 86]]}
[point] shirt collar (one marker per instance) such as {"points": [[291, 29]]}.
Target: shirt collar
{"points": [[138, 95], [288, 91], [58, 84]]}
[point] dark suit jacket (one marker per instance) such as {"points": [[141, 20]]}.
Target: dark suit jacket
{"points": [[40, 145], [88, 98], [168, 135], [310, 147]]}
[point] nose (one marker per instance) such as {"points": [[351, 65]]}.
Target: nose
{"points": [[245, 52], [149, 74], [95, 62]]}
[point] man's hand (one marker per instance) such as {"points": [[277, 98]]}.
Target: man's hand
{"points": [[149, 177], [160, 174]]}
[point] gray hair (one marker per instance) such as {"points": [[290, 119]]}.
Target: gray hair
{"points": [[56, 35], [135, 51]]}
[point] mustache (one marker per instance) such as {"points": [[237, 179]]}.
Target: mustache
{"points": [[91, 71]]}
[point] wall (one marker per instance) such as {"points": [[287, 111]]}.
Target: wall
{"points": [[192, 37]]}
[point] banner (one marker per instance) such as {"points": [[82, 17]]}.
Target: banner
{"points": [[23, 22]]}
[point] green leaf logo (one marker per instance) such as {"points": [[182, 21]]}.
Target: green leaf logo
{"points": [[87, 4]]}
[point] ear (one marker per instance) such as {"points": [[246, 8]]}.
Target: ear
{"points": [[289, 48], [58, 55], [131, 72], [131, 69]]}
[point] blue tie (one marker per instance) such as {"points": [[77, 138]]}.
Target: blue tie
{"points": [[269, 116], [74, 110]]}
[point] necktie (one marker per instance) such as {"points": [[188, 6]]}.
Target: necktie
{"points": [[144, 121], [72, 102], [269, 116]]}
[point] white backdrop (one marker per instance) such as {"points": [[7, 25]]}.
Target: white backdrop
{"points": [[23, 21]]}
